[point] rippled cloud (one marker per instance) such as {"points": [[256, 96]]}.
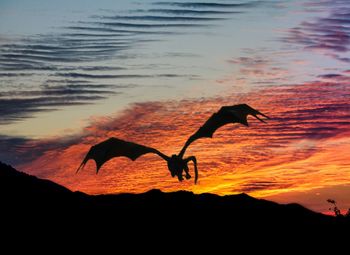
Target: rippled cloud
{"points": [[210, 4], [329, 34], [302, 147], [22, 103], [77, 50]]}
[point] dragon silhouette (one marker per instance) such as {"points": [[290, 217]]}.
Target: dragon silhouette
{"points": [[177, 164]]}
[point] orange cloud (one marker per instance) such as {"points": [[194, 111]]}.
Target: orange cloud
{"points": [[304, 146]]}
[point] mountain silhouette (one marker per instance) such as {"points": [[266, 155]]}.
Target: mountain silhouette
{"points": [[45, 201]]}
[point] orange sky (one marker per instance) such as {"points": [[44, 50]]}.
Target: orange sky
{"points": [[302, 152], [152, 73]]}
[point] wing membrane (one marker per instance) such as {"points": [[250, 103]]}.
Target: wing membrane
{"points": [[114, 147], [226, 115]]}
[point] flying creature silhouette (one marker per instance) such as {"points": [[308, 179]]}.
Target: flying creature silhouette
{"points": [[177, 164]]}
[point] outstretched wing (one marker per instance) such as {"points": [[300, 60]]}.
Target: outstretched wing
{"points": [[226, 115], [114, 147]]}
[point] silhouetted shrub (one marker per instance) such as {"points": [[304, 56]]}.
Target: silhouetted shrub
{"points": [[336, 210]]}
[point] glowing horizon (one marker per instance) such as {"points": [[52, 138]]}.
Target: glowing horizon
{"points": [[152, 73], [264, 160]]}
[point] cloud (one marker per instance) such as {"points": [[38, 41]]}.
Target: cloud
{"points": [[210, 4], [100, 68], [261, 69], [329, 34], [161, 18], [15, 74], [191, 12], [116, 76], [338, 57], [330, 76], [45, 58], [303, 146], [15, 109], [79, 37], [62, 48], [99, 76], [67, 54], [25, 67], [148, 26], [304, 142], [16, 105], [55, 91], [260, 185], [114, 32], [251, 62], [21, 149]]}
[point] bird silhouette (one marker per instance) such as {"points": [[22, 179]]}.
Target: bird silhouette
{"points": [[177, 164]]}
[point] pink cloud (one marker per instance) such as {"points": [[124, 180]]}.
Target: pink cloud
{"points": [[299, 147]]}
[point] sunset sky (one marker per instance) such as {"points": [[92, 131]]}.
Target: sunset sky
{"points": [[74, 73]]}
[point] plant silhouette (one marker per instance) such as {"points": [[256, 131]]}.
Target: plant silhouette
{"points": [[336, 210]]}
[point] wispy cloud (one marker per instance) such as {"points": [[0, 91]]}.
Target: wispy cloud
{"points": [[68, 55], [13, 109], [147, 26], [294, 151], [19, 104], [15, 74], [259, 185], [189, 11], [117, 76], [99, 76], [330, 34], [161, 18], [260, 69], [304, 145], [210, 4]]}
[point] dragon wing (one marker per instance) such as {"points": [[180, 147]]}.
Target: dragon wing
{"points": [[226, 115], [114, 147]]}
